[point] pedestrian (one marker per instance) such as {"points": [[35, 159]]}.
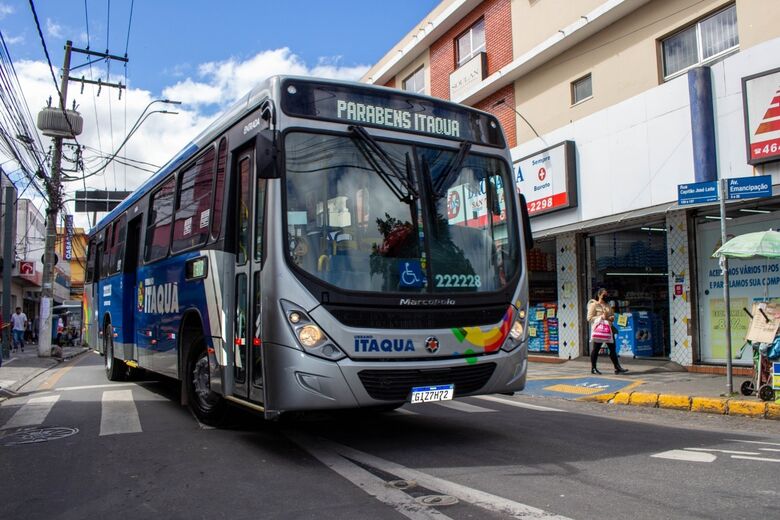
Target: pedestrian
{"points": [[599, 309], [19, 324]]}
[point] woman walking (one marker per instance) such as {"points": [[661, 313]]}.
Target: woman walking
{"points": [[599, 309]]}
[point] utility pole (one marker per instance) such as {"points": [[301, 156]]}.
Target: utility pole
{"points": [[53, 187]]}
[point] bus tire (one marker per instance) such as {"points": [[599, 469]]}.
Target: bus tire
{"points": [[116, 370], [209, 407]]}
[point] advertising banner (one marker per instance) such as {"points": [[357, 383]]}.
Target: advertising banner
{"points": [[761, 100]]}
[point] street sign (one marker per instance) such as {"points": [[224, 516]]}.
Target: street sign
{"points": [[99, 200], [697, 193], [750, 187]]}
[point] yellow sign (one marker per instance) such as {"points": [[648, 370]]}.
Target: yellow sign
{"points": [[622, 320], [532, 331], [551, 312], [539, 315], [739, 326]]}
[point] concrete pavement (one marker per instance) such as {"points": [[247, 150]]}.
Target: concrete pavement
{"points": [[22, 367], [649, 383]]}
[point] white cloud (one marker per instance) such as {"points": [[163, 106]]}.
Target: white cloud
{"points": [[106, 120], [5, 10], [53, 29], [13, 40]]}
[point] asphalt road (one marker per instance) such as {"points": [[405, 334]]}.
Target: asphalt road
{"points": [[129, 450]]}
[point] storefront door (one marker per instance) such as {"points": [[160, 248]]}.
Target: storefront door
{"points": [[632, 265]]}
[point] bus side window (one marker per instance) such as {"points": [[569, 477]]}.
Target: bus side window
{"points": [[158, 232], [259, 218], [219, 190], [98, 261], [193, 210], [105, 254], [118, 245], [90, 274]]}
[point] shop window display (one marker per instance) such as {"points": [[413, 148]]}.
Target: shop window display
{"points": [[632, 265], [543, 295]]}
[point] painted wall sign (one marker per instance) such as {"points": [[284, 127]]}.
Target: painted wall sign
{"points": [[468, 75], [761, 101], [548, 179]]}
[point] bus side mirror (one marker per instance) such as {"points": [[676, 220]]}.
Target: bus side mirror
{"points": [[267, 155], [527, 235]]}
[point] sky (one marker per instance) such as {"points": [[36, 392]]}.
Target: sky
{"points": [[203, 53]]}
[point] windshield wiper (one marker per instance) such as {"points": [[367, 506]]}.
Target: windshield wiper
{"points": [[447, 177], [390, 174]]}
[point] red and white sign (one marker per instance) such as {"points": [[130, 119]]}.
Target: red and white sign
{"points": [[27, 268], [548, 179], [761, 98]]}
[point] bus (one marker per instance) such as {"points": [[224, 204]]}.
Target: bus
{"points": [[321, 245]]}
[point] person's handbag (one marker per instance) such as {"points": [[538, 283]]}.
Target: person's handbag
{"points": [[601, 332]]}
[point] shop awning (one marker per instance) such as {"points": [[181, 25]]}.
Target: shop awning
{"points": [[637, 216]]}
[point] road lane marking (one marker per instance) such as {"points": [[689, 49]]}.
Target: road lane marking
{"points": [[518, 404], [91, 387], [687, 456], [365, 480], [755, 442], [49, 383], [33, 412], [732, 452], [118, 413], [754, 458], [474, 497], [768, 449], [463, 407]]}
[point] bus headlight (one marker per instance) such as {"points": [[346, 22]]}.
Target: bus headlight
{"points": [[517, 334], [309, 335]]}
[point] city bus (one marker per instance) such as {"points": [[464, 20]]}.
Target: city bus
{"points": [[321, 245]]}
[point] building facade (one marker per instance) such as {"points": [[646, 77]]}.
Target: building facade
{"points": [[611, 107]]}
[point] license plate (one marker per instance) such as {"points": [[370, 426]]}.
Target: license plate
{"points": [[427, 394]]}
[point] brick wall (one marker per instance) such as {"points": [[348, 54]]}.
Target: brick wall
{"points": [[504, 112], [498, 44]]}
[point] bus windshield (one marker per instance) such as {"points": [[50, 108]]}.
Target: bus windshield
{"points": [[393, 217]]}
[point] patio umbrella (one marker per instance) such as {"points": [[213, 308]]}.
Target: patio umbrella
{"points": [[762, 244]]}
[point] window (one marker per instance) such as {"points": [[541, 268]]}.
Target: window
{"points": [[703, 41], [219, 189], [581, 89], [90, 275], [415, 82], [158, 230], [117, 245], [259, 218], [105, 260], [193, 210], [471, 42], [244, 203]]}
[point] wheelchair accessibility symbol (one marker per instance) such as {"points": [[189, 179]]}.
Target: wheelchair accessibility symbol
{"points": [[410, 274]]}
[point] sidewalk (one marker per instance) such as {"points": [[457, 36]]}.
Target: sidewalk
{"points": [[22, 367], [649, 383]]}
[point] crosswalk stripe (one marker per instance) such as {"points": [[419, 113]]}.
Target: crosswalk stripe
{"points": [[119, 414], [33, 412], [463, 407], [518, 404]]}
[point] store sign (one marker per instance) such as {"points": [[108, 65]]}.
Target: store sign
{"points": [[761, 101], [28, 272], [467, 75], [68, 246], [548, 179]]}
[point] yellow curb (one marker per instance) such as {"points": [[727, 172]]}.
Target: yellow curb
{"points": [[773, 411], [708, 405], [643, 399], [621, 398], [675, 402], [600, 398], [748, 408]]}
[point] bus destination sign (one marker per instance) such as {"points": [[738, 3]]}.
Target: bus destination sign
{"points": [[393, 110]]}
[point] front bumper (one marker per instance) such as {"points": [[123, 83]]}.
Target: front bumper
{"points": [[299, 381]]}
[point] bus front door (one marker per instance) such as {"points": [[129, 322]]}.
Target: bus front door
{"points": [[247, 364]]}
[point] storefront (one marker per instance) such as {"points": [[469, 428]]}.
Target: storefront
{"points": [[750, 280], [632, 265], [543, 298]]}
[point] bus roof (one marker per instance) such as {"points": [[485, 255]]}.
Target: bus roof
{"points": [[244, 105]]}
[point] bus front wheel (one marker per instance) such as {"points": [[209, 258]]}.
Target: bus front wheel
{"points": [[115, 368], [208, 406]]}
